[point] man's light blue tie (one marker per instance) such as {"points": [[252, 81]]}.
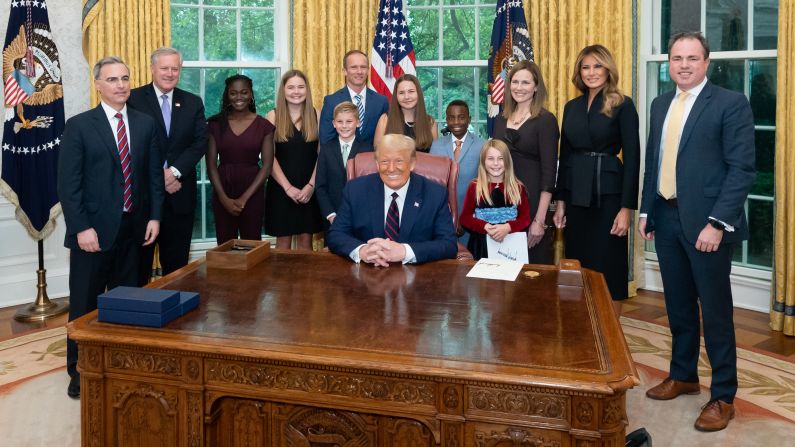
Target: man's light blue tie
{"points": [[359, 105], [165, 108]]}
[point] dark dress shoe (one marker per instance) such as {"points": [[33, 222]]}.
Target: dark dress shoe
{"points": [[670, 388], [74, 388], [715, 415]]}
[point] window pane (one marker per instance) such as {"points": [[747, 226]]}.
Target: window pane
{"points": [[459, 2], [482, 112], [760, 242], [184, 2], [728, 74], [424, 30], [727, 25], [208, 195], [765, 163], [459, 30], [257, 35], [429, 81], [220, 35], [486, 23], [185, 32], [457, 83], [220, 2], [267, 3], [659, 82], [765, 24], [214, 79], [678, 15], [264, 80], [763, 91], [410, 3], [189, 80]]}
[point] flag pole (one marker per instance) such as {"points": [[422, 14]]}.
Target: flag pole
{"points": [[42, 309]]}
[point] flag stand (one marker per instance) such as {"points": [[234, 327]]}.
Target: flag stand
{"points": [[42, 309]]}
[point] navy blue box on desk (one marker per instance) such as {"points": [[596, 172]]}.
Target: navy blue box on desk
{"points": [[144, 307]]}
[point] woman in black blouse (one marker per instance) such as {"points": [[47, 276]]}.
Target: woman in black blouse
{"points": [[532, 135], [597, 191], [407, 115]]}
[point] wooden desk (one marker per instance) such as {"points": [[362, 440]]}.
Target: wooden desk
{"points": [[311, 349]]}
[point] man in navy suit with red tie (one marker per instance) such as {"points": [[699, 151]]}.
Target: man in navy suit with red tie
{"points": [[394, 215], [110, 184], [699, 170]]}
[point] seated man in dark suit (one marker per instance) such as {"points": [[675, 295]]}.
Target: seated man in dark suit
{"points": [[333, 156], [395, 215], [369, 103]]}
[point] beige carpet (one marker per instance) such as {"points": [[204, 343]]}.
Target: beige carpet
{"points": [[35, 411]]}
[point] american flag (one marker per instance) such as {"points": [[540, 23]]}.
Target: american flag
{"points": [[393, 54], [510, 43]]}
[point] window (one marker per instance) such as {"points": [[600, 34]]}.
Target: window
{"points": [[743, 36], [451, 40], [219, 38]]}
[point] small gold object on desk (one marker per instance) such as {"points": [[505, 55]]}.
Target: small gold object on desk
{"points": [[238, 254], [531, 273]]}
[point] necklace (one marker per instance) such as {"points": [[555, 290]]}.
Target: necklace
{"points": [[524, 117]]}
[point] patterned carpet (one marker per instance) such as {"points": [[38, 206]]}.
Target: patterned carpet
{"points": [[35, 410]]}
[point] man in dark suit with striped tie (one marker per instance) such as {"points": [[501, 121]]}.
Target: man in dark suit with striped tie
{"points": [[370, 104], [110, 184]]}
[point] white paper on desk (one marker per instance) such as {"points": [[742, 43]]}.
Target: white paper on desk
{"points": [[496, 269], [512, 248]]}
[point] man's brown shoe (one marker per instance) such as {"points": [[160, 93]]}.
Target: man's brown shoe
{"points": [[715, 415], [670, 388]]}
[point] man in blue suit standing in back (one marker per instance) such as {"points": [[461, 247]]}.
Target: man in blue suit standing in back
{"points": [[461, 146], [394, 215], [369, 103], [699, 170]]}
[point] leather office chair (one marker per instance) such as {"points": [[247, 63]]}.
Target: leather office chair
{"points": [[438, 169]]}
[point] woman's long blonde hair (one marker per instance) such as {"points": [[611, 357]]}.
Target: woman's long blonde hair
{"points": [[422, 121], [539, 98], [511, 189], [612, 95], [284, 124]]}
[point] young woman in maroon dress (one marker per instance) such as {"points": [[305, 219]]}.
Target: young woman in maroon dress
{"points": [[240, 139]]}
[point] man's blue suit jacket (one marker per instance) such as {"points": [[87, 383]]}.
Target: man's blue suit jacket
{"points": [[467, 161], [715, 165], [375, 105], [426, 224], [331, 174]]}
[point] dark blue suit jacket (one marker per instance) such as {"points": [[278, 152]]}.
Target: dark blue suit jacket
{"points": [[331, 175], [715, 166], [426, 224], [375, 105], [90, 181]]}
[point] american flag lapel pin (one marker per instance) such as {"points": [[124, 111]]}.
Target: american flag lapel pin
{"points": [[416, 204]]}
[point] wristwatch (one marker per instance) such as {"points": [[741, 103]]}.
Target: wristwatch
{"points": [[717, 224]]}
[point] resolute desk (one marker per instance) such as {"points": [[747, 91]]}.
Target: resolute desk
{"points": [[310, 349]]}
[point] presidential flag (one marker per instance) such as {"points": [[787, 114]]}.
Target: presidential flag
{"points": [[393, 54], [34, 117], [510, 43]]}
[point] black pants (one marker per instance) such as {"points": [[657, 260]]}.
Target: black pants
{"points": [[90, 274], [176, 231]]}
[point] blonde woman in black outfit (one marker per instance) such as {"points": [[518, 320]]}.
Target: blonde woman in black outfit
{"points": [[531, 133], [597, 191]]}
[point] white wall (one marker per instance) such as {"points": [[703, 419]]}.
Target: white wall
{"points": [[18, 252]]}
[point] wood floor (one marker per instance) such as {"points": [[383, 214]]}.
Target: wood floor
{"points": [[752, 328]]}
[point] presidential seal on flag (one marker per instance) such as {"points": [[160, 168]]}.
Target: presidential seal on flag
{"points": [[33, 118]]}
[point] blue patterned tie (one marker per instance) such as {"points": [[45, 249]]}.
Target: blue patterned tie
{"points": [[359, 105], [392, 223], [165, 108]]}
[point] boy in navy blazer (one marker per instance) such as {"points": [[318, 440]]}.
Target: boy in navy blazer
{"points": [[332, 158]]}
